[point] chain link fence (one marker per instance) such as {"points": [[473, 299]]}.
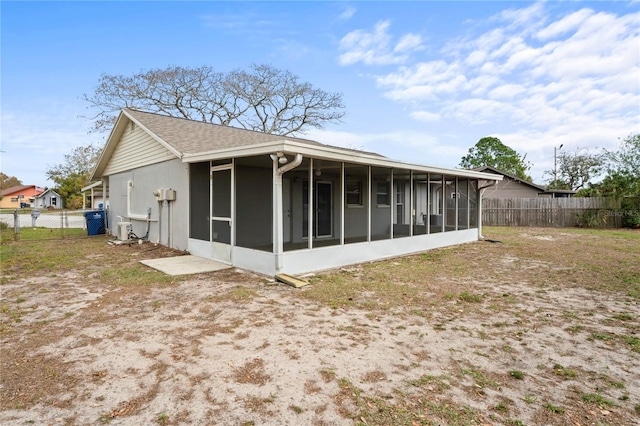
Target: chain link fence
{"points": [[34, 224]]}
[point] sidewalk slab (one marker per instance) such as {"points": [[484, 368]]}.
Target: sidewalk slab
{"points": [[185, 265]]}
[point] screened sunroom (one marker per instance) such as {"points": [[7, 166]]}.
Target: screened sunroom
{"points": [[292, 208]]}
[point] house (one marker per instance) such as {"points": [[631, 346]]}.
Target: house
{"points": [[20, 196], [49, 199], [513, 187], [276, 204]]}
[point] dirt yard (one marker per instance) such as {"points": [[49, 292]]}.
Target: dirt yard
{"points": [[539, 327]]}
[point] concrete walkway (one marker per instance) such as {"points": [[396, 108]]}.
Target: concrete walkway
{"points": [[184, 265]]}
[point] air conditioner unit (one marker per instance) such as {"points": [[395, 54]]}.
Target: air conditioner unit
{"points": [[123, 230]]}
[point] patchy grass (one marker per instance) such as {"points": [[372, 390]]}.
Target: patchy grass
{"points": [[365, 343], [41, 233]]}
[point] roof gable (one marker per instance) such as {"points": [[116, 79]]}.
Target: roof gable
{"points": [[19, 188], [194, 141], [490, 169], [183, 137]]}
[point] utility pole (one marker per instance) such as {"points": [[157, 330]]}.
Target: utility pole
{"points": [[555, 163]]}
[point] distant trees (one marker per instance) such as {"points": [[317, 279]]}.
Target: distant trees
{"points": [[74, 173], [8, 182], [575, 170], [261, 98], [490, 151], [622, 168]]}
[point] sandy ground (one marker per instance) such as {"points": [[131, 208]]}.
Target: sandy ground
{"points": [[202, 352]]}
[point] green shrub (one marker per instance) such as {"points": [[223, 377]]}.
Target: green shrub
{"points": [[630, 209], [590, 219]]}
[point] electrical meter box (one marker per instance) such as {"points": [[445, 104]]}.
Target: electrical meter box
{"points": [[165, 194]]}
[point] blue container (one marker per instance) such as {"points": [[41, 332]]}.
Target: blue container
{"points": [[95, 222]]}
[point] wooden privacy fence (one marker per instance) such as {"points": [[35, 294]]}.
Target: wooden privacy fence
{"points": [[591, 212]]}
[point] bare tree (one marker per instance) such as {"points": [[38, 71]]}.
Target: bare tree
{"points": [[575, 170], [262, 98]]}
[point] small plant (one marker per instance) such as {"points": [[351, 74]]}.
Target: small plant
{"points": [[596, 398], [501, 407], [565, 373], [590, 219], [469, 298], [516, 374], [553, 408], [624, 397], [634, 342], [162, 418], [529, 399], [624, 316], [296, 409], [601, 336]]}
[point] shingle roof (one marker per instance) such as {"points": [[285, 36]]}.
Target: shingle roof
{"points": [[193, 137], [15, 189]]}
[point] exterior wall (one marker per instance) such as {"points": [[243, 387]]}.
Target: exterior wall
{"points": [[510, 188], [136, 149], [168, 220], [321, 258]]}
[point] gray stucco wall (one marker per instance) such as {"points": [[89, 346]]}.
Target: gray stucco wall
{"points": [[169, 174]]}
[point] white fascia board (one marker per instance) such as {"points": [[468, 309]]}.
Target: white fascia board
{"points": [[93, 185], [332, 154], [154, 136], [245, 151], [108, 146]]}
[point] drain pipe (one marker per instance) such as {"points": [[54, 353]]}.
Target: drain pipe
{"points": [[481, 190], [278, 243], [130, 215]]}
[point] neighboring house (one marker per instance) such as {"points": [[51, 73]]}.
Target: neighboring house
{"points": [[49, 199], [276, 204], [20, 196], [97, 199], [513, 187]]}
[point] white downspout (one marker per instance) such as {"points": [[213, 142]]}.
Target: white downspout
{"points": [[480, 193], [129, 214], [278, 243]]}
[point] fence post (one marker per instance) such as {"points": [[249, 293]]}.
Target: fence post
{"points": [[16, 225], [61, 223]]}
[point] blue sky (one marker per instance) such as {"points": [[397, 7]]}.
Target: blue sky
{"points": [[422, 81]]}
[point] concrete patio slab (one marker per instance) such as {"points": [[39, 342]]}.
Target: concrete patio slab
{"points": [[184, 265]]}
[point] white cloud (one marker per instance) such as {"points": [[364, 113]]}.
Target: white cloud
{"points": [[408, 42], [347, 13], [426, 116], [569, 79], [564, 25], [376, 47]]}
